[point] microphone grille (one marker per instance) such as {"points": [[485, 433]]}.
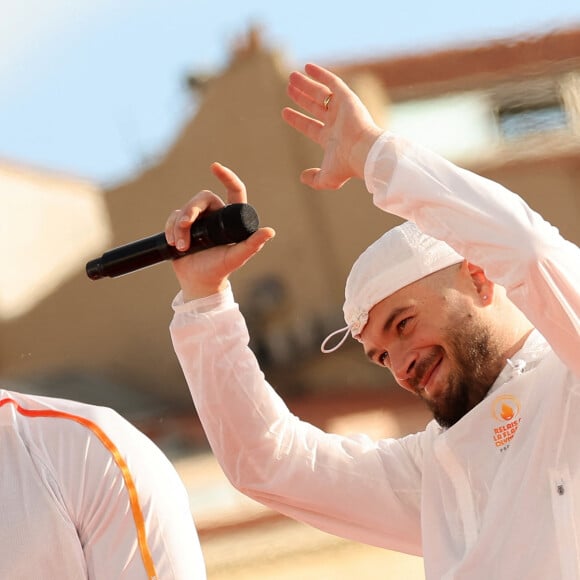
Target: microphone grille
{"points": [[239, 221]]}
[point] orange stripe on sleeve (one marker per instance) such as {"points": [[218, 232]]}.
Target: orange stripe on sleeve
{"points": [[121, 464]]}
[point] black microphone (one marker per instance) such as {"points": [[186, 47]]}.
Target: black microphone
{"points": [[228, 225]]}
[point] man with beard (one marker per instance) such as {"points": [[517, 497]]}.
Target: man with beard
{"points": [[473, 305]]}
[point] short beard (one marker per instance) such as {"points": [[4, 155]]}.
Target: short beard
{"points": [[477, 365]]}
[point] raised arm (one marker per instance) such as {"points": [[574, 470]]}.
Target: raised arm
{"points": [[487, 224], [352, 487]]}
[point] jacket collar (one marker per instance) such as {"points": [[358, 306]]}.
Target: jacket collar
{"points": [[533, 351]]}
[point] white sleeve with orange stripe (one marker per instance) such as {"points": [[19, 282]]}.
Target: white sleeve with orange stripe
{"points": [[84, 494]]}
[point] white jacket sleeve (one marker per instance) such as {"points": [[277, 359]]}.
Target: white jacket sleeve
{"points": [[491, 227], [348, 486]]}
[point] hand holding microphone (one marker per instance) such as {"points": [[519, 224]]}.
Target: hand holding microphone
{"points": [[229, 225], [228, 235]]}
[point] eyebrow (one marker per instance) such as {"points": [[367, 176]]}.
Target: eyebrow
{"points": [[387, 326]]}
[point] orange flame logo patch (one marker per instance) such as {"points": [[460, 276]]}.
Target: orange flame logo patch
{"points": [[506, 413], [505, 408]]}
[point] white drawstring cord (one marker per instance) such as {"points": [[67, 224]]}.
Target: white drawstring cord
{"points": [[326, 350]]}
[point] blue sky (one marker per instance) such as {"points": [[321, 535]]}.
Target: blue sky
{"points": [[95, 88]]}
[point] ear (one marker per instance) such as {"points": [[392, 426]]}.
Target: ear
{"points": [[483, 286]]}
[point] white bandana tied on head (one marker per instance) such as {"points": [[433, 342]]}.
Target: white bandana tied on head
{"points": [[398, 258]]}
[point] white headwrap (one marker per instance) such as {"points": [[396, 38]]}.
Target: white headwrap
{"points": [[399, 257]]}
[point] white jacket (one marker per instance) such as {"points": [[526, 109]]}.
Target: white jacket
{"points": [[495, 496], [84, 494]]}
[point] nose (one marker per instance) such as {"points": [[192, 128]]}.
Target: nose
{"points": [[402, 366]]}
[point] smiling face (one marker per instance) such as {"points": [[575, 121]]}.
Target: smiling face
{"points": [[434, 337]]}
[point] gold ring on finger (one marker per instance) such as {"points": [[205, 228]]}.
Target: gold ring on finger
{"points": [[326, 101]]}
